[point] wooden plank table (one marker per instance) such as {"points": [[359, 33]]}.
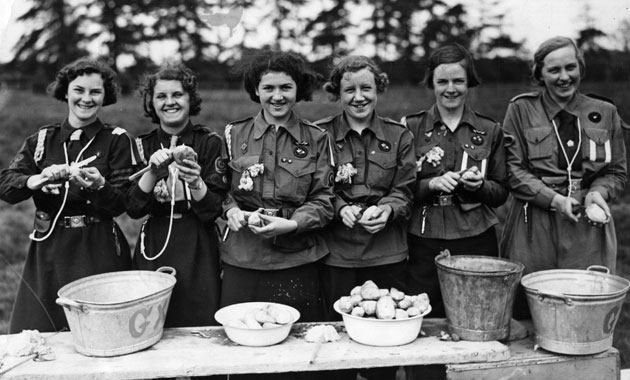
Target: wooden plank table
{"points": [[180, 353]]}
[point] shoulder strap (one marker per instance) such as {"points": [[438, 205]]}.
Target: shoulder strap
{"points": [[228, 139], [39, 149], [140, 150]]}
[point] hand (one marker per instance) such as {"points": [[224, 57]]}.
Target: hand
{"points": [[88, 178], [350, 214], [56, 173], [445, 183], [273, 225], [594, 197], [236, 218], [471, 179], [565, 205], [375, 218], [160, 158], [52, 189], [190, 172]]}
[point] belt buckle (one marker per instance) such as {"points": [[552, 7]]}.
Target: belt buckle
{"points": [[445, 200], [574, 186], [270, 211], [75, 221]]}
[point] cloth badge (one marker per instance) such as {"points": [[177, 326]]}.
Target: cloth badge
{"points": [[219, 165], [244, 147], [331, 179], [595, 117], [300, 151], [384, 146]]}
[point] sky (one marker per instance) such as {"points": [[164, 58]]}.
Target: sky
{"points": [[530, 20]]}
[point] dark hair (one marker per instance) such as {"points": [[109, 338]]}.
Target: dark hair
{"points": [[547, 47], [352, 64], [82, 66], [178, 72], [291, 64], [452, 53]]}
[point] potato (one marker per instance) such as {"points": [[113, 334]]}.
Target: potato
{"points": [[369, 307], [413, 311], [595, 213], [421, 302], [358, 311], [355, 299], [270, 325], [262, 316], [401, 314], [404, 303], [385, 308], [356, 290], [396, 294], [282, 316], [250, 321], [345, 304], [254, 220], [383, 292], [182, 152], [369, 291]]}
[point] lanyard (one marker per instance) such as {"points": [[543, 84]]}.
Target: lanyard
{"points": [[564, 152]]}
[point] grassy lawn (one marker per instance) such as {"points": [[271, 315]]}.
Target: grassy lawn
{"points": [[24, 112]]}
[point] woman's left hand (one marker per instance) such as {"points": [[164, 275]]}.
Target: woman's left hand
{"points": [[375, 218], [189, 172], [89, 178], [272, 226], [471, 179], [596, 197]]}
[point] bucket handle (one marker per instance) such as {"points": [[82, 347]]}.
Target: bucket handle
{"points": [[167, 270], [69, 304], [445, 254], [598, 268], [551, 294]]}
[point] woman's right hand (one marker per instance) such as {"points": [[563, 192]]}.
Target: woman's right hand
{"points": [[565, 205], [445, 183], [236, 218], [350, 214], [160, 158], [50, 175]]}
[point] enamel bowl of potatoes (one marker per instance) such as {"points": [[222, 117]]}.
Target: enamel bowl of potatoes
{"points": [[257, 324], [382, 317]]}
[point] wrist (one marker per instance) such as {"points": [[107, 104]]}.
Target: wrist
{"points": [[98, 185], [197, 185]]}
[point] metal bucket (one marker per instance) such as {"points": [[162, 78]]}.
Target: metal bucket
{"points": [[478, 294], [117, 313], [575, 311]]}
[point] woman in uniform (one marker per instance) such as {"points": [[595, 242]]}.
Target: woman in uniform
{"points": [[281, 191], [77, 173], [374, 176], [461, 174], [566, 160], [181, 196]]}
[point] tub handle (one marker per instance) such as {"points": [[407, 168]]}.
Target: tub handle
{"points": [[551, 294], [445, 254], [167, 270], [598, 268], [69, 304]]}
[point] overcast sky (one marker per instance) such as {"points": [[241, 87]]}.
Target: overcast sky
{"points": [[529, 20]]}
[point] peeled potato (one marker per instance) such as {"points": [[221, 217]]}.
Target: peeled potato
{"points": [[596, 213], [385, 308]]}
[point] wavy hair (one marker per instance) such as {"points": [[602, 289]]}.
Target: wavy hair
{"points": [[82, 66]]}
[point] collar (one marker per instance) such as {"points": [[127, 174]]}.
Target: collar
{"points": [[552, 108], [185, 136], [469, 118], [261, 126], [89, 130], [375, 127]]}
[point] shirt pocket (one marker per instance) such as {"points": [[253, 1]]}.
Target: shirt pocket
{"points": [[239, 166], [478, 157], [293, 179], [597, 145], [540, 143], [381, 170]]}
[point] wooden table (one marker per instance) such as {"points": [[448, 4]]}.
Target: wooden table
{"points": [[180, 353]]}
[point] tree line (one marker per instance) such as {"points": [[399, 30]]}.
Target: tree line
{"points": [[398, 34]]}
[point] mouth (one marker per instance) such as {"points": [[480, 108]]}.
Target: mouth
{"points": [[170, 111], [360, 106], [278, 105], [565, 85], [451, 96], [85, 106]]}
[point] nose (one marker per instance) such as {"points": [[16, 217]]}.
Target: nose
{"points": [[359, 95], [564, 75], [450, 87], [170, 100], [277, 95]]}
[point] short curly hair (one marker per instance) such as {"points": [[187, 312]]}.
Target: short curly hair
{"points": [[352, 64], [452, 53], [549, 46], [178, 72], [292, 64], [82, 66]]}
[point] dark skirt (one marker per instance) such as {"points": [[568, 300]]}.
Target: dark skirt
{"points": [[297, 287], [67, 255], [422, 274], [193, 251]]}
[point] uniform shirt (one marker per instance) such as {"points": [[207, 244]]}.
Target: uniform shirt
{"points": [[208, 146], [114, 160], [477, 141], [533, 150], [296, 180], [384, 159]]}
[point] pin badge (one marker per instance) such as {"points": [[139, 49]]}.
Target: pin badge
{"points": [[476, 139], [300, 151], [570, 143], [384, 146], [595, 117], [244, 147], [479, 132], [340, 146]]}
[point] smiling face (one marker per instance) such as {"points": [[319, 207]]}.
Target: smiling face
{"points": [[561, 74], [85, 99], [277, 92], [358, 95], [450, 86], [172, 105]]}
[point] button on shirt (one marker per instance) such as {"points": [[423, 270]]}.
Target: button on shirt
{"points": [[477, 141]]}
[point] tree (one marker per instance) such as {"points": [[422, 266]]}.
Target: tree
{"points": [[328, 29]]}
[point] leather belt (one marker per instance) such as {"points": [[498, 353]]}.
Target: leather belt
{"points": [[444, 200], [270, 211], [78, 221], [565, 187]]}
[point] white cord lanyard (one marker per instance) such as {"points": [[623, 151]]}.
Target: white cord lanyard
{"points": [[564, 152], [65, 194]]}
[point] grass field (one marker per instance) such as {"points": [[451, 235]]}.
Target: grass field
{"points": [[21, 113]]}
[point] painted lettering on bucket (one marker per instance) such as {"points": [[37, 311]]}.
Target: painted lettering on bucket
{"points": [[611, 319], [140, 320]]}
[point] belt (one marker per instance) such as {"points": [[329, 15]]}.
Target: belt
{"points": [[78, 221], [270, 211], [564, 187], [444, 200]]}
